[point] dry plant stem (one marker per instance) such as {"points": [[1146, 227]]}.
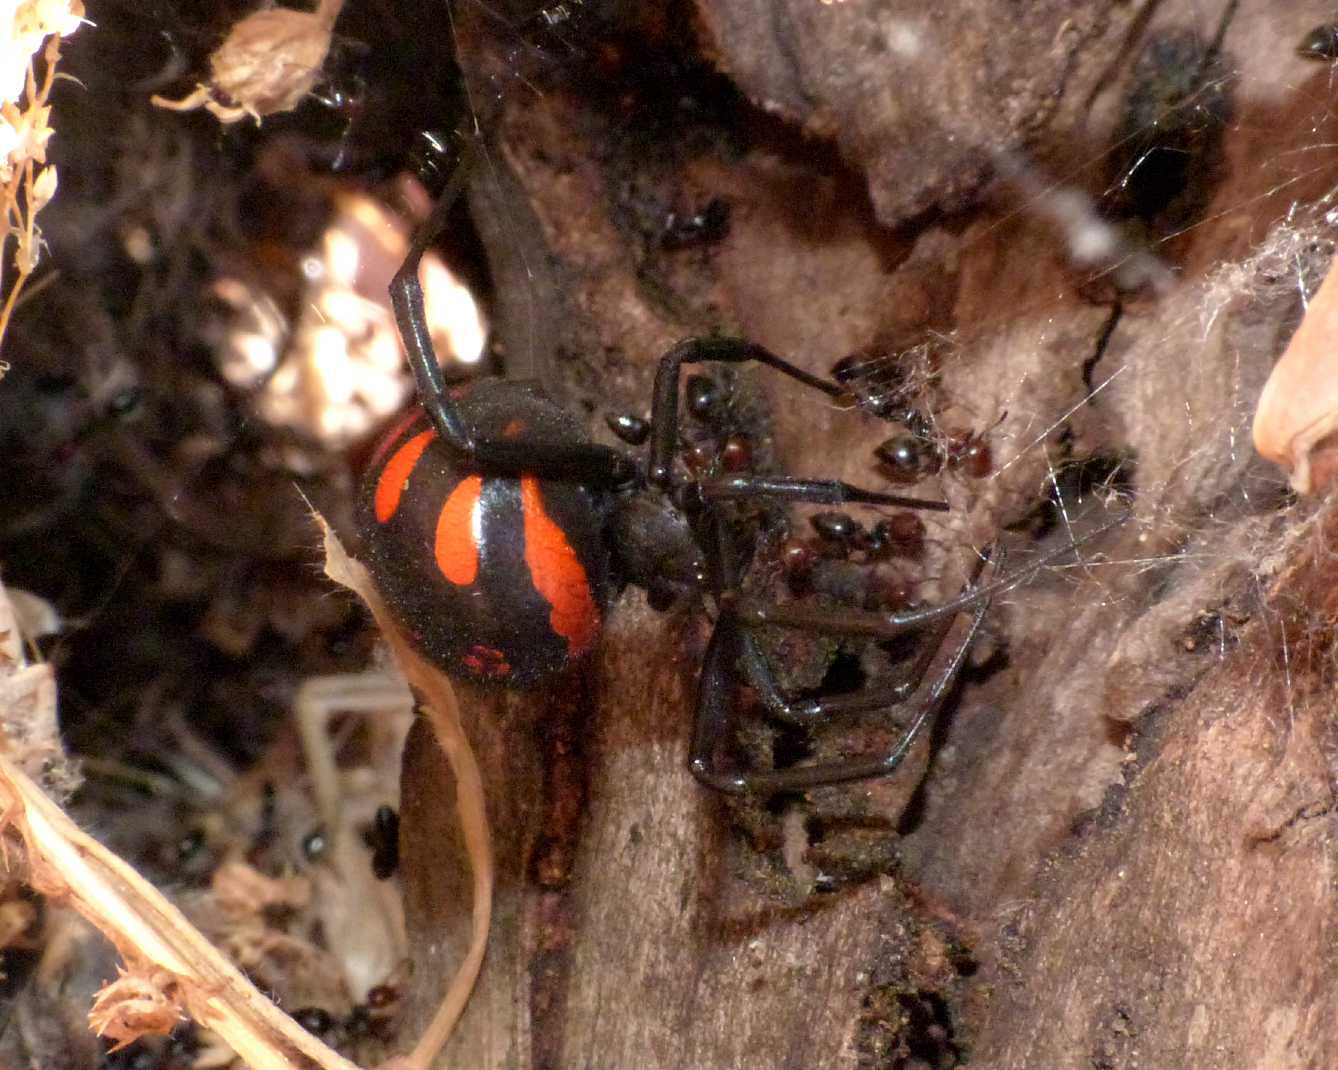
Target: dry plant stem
{"points": [[148, 930], [442, 710], [478, 842], [22, 220]]}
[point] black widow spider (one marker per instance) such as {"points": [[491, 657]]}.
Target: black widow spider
{"points": [[499, 534]]}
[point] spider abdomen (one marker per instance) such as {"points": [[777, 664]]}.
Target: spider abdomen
{"points": [[497, 579]]}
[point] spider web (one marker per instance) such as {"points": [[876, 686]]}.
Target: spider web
{"points": [[1122, 224], [1127, 303]]}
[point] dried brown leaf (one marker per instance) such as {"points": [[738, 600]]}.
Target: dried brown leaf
{"points": [[440, 706]]}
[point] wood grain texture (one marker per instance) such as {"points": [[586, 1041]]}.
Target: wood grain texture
{"points": [[1116, 851]]}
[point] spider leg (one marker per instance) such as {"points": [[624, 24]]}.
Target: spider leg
{"points": [[758, 674], [585, 463], [664, 403], [755, 613], [818, 491], [406, 298], [732, 653], [715, 698]]}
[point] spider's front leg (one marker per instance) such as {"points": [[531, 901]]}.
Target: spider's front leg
{"points": [[581, 462], [809, 491], [734, 657], [406, 298], [757, 613], [664, 435], [664, 401]]}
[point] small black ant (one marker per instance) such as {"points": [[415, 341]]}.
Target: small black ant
{"points": [[1321, 43], [631, 429], [969, 453], [839, 528], [900, 535], [315, 844], [907, 458], [315, 1020], [376, 1016], [881, 386], [707, 225], [383, 838]]}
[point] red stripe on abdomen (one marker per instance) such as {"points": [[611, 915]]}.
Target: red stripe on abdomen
{"points": [[457, 547], [557, 573], [395, 475]]}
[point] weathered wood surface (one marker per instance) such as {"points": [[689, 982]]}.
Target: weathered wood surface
{"points": [[1119, 853]]}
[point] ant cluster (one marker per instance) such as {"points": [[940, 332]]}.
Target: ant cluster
{"points": [[841, 559], [889, 388], [716, 439], [713, 443], [850, 561]]}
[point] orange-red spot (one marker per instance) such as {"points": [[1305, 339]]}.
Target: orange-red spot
{"points": [[457, 547], [395, 475], [513, 428], [485, 661], [557, 573]]}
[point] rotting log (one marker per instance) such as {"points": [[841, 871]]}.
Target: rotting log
{"points": [[1115, 851]]}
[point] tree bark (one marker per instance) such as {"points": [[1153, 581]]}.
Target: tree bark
{"points": [[1113, 852]]}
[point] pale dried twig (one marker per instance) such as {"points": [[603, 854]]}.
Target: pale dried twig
{"points": [[170, 967], [163, 950]]}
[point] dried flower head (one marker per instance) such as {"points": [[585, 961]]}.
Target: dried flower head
{"points": [[268, 63], [136, 1005], [26, 183], [31, 23]]}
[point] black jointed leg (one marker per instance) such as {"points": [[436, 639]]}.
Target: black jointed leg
{"points": [[755, 613], [406, 298], [715, 698], [758, 674], [575, 462], [664, 402], [816, 491]]}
